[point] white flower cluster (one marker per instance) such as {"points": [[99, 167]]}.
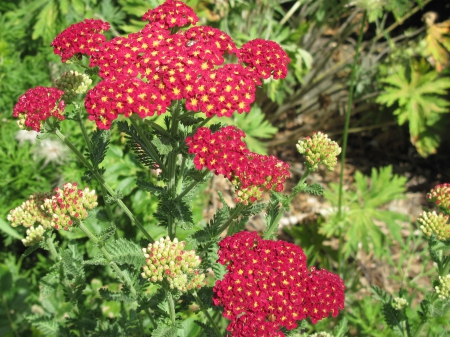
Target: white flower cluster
{"points": [[34, 235], [319, 149], [399, 303], [433, 223], [167, 260], [443, 289]]}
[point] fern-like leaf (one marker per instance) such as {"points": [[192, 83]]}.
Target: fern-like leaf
{"points": [[108, 295], [124, 251], [137, 145], [100, 142], [47, 325]]}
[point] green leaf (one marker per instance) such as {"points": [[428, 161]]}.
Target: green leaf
{"points": [[314, 189], [47, 325], [416, 91], [161, 147], [209, 331], [108, 295], [7, 229], [164, 330], [107, 233], [124, 251], [100, 141], [149, 187], [341, 329], [439, 308]]}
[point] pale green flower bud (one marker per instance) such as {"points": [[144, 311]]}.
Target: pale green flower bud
{"points": [[167, 260], [73, 84], [34, 235], [443, 289], [399, 303], [319, 149], [432, 223]]}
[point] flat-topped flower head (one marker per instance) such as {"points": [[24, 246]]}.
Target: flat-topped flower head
{"points": [[399, 303], [440, 195], [81, 38], [224, 152], [73, 84], [319, 149], [265, 57], [268, 286], [123, 96], [443, 288], [37, 105], [167, 261], [57, 209], [172, 13], [433, 223]]}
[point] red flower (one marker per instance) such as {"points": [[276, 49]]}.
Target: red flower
{"points": [[267, 58], [37, 105], [124, 96], [81, 38], [268, 286], [224, 152], [172, 13]]}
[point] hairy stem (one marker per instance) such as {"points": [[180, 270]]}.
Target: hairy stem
{"points": [[102, 182], [171, 303], [348, 112]]}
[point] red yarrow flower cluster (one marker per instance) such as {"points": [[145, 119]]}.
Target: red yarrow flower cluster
{"points": [[37, 105], [268, 286], [81, 38], [176, 64], [126, 95], [267, 58], [224, 152], [172, 13], [440, 195]]}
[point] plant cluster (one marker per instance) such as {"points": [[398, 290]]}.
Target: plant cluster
{"points": [[178, 70]]}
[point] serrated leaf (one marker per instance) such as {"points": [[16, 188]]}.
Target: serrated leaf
{"points": [[439, 308], [314, 189], [124, 251], [165, 331], [149, 187], [47, 325], [380, 294], [416, 91], [107, 233], [99, 143], [341, 329], [108, 295], [161, 147]]}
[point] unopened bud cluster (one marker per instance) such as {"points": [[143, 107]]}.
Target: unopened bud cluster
{"points": [[440, 195], [319, 149], [443, 289], [54, 210], [433, 223], [73, 84], [167, 260], [34, 235], [399, 303]]}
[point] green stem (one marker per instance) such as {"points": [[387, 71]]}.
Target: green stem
{"points": [[238, 209], [171, 306], [271, 228], [421, 326], [8, 315], [89, 146], [191, 186], [300, 184], [55, 256], [150, 317], [171, 168], [150, 147], [348, 112], [102, 182], [208, 316], [108, 257]]}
